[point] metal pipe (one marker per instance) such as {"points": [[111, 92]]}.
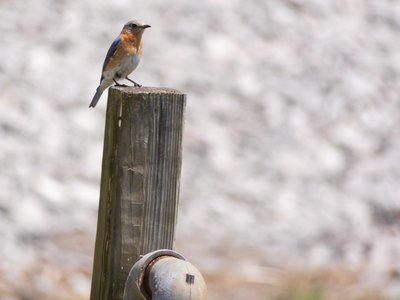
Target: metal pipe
{"points": [[164, 275]]}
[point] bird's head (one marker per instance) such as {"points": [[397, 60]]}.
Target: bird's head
{"points": [[135, 27]]}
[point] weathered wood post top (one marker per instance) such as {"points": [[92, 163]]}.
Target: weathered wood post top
{"points": [[140, 180], [144, 90]]}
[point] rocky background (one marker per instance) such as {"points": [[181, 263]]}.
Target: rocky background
{"points": [[291, 170]]}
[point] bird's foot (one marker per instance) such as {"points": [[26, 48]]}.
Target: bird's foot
{"points": [[135, 84], [121, 85], [118, 84]]}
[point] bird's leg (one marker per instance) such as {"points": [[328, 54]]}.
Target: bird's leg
{"points": [[134, 83], [117, 84]]}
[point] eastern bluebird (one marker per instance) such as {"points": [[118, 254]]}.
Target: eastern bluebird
{"points": [[122, 57]]}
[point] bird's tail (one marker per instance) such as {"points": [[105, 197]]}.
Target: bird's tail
{"points": [[96, 97]]}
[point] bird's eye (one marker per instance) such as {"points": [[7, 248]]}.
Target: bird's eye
{"points": [[133, 25]]}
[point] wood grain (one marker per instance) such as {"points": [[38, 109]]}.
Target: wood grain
{"points": [[140, 180]]}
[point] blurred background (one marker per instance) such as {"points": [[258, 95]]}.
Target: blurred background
{"points": [[291, 173]]}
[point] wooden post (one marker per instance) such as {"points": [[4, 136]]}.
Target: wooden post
{"points": [[139, 182]]}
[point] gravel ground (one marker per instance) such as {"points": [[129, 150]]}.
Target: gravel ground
{"points": [[291, 146]]}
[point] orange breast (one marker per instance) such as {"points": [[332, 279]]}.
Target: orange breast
{"points": [[130, 45]]}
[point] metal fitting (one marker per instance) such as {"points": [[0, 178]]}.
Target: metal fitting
{"points": [[164, 275]]}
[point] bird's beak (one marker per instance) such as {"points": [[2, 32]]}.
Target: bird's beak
{"points": [[146, 26]]}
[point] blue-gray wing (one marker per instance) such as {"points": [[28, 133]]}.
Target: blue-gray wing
{"points": [[111, 52]]}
